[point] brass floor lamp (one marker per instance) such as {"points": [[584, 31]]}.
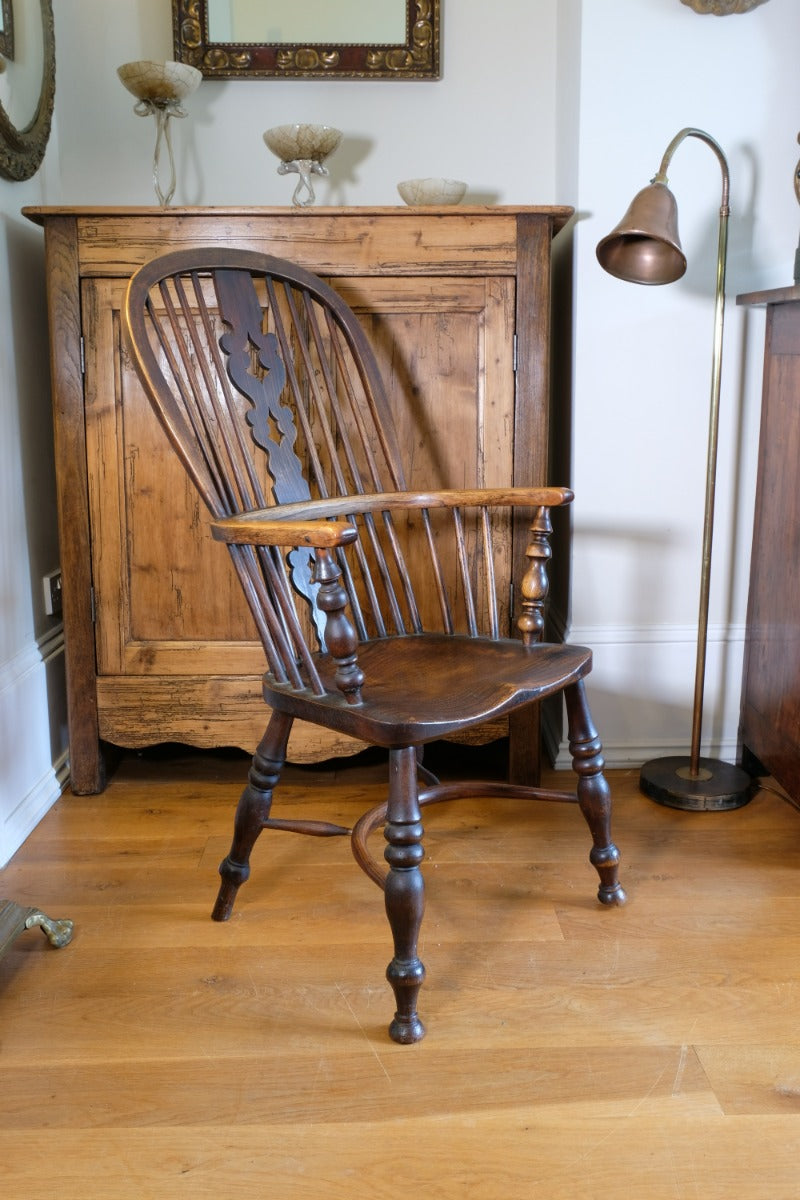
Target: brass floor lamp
{"points": [[645, 248]]}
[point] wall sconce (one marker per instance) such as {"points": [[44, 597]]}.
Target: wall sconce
{"points": [[645, 248]]}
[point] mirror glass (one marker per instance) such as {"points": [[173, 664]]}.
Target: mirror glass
{"points": [[289, 21], [308, 39]]}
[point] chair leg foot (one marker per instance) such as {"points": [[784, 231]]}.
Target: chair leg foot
{"points": [[606, 863], [405, 1029], [404, 894], [252, 812], [594, 794]]}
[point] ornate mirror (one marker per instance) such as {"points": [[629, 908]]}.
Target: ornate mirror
{"points": [[29, 86], [308, 39]]}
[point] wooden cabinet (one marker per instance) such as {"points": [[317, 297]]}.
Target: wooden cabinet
{"points": [[160, 646], [770, 713]]}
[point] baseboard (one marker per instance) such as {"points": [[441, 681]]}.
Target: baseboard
{"points": [[641, 692], [629, 755], [34, 757], [630, 634]]}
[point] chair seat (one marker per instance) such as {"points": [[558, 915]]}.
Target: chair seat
{"points": [[447, 683]]}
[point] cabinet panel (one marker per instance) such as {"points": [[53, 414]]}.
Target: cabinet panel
{"points": [[167, 600], [166, 596]]}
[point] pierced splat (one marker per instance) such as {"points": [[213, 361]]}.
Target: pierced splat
{"points": [[242, 314], [271, 422]]}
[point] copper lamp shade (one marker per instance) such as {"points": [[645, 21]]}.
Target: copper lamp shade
{"points": [[644, 247]]}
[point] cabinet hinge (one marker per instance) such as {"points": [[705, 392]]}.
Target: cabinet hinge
{"points": [[83, 356], [514, 352]]}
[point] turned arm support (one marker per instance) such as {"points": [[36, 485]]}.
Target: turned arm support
{"points": [[324, 536], [535, 583]]}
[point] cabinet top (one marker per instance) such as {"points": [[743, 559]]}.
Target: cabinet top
{"points": [[784, 295], [558, 213], [452, 240]]}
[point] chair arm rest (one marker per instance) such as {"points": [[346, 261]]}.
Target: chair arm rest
{"points": [[308, 522], [268, 527]]}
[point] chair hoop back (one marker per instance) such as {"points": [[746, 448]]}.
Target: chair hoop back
{"points": [[270, 393]]}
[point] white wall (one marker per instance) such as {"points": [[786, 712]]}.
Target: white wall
{"points": [[643, 355], [488, 121], [541, 101]]}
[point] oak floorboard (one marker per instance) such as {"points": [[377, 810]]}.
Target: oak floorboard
{"points": [[573, 1052], [561, 1153]]}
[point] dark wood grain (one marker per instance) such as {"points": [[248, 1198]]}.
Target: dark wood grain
{"points": [[770, 712], [268, 390]]}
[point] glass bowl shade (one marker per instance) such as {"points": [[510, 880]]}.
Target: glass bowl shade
{"points": [[296, 142], [159, 82]]}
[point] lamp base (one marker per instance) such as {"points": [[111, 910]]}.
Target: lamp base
{"points": [[717, 786]]}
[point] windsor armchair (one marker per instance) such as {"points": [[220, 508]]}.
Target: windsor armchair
{"points": [[376, 606]]}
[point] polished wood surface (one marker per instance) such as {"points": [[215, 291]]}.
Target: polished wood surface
{"points": [[770, 711], [575, 1051], [463, 283], [387, 623]]}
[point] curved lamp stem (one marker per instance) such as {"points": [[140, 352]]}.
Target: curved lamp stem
{"points": [[713, 431]]}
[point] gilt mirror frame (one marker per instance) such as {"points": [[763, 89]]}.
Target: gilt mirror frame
{"points": [[22, 150], [415, 58]]}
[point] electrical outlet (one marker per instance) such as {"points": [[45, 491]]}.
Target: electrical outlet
{"points": [[51, 585]]}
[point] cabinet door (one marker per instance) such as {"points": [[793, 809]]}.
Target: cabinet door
{"points": [[168, 605]]}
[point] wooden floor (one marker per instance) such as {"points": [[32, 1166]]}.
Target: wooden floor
{"points": [[573, 1052]]}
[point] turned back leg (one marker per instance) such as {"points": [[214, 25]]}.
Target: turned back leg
{"points": [[594, 794], [253, 811]]}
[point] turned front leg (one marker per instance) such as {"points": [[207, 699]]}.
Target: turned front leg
{"points": [[594, 794], [405, 893], [252, 812]]}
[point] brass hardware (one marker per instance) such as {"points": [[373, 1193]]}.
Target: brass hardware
{"points": [[15, 919]]}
